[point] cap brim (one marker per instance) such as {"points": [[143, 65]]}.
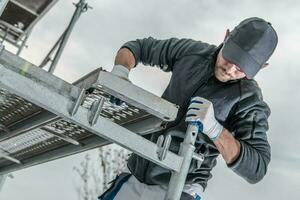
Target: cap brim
{"points": [[232, 52]]}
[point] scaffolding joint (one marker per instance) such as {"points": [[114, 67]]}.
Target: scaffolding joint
{"points": [[163, 145], [95, 111]]}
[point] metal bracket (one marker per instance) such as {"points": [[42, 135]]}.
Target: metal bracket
{"points": [[199, 158], [83, 6], [163, 146], [95, 111], [6, 155], [2, 47], [78, 102], [4, 128]]}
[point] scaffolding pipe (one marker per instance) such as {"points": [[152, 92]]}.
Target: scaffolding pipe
{"points": [[48, 56], [2, 5], [81, 7], [23, 44], [2, 180]]}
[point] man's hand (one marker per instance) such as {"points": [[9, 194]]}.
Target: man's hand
{"points": [[201, 113]]}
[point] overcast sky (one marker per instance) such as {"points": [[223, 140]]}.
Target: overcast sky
{"points": [[101, 31]]}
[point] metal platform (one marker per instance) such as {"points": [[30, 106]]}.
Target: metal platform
{"points": [[32, 132]]}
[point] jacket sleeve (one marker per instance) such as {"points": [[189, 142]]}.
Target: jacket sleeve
{"points": [[162, 53], [249, 125]]}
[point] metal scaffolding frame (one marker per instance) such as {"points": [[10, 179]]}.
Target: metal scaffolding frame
{"points": [[68, 103], [59, 46], [18, 17]]}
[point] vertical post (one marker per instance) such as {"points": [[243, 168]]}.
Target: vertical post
{"points": [[80, 7], [2, 5], [23, 44], [4, 36], [2, 180], [186, 150]]}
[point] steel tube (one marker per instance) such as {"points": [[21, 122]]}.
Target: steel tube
{"points": [[186, 151]]}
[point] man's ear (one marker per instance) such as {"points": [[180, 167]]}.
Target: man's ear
{"points": [[226, 35], [265, 65]]}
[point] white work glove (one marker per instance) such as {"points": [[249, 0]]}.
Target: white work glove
{"points": [[121, 71], [201, 113]]}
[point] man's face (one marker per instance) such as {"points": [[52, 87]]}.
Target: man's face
{"points": [[226, 71]]}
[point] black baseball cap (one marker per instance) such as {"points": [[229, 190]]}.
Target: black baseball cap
{"points": [[250, 45]]}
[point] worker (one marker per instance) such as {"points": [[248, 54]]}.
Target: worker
{"points": [[214, 86]]}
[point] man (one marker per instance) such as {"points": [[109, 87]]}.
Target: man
{"points": [[226, 101]]}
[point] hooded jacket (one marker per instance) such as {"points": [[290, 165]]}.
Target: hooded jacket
{"points": [[238, 106]]}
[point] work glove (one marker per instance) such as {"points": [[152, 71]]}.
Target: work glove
{"points": [[201, 113], [122, 72]]}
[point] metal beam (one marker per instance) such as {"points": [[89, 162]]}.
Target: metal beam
{"points": [[2, 180], [24, 7], [2, 5], [4, 154]]}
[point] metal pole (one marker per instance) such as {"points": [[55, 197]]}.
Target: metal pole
{"points": [[80, 8], [186, 151], [23, 44], [47, 58], [2, 180], [5, 35], [2, 5]]}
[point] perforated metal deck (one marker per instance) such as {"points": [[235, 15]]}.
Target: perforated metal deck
{"points": [[55, 133]]}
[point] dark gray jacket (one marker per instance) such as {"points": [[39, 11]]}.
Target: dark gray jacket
{"points": [[238, 106]]}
